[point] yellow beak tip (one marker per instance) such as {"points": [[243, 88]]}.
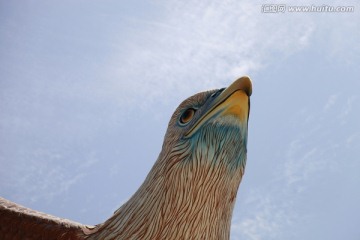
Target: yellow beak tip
{"points": [[244, 84]]}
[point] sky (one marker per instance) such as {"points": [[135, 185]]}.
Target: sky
{"points": [[87, 89]]}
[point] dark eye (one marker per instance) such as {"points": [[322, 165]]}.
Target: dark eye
{"points": [[187, 115]]}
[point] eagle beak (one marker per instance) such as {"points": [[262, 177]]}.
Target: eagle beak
{"points": [[243, 84], [234, 100]]}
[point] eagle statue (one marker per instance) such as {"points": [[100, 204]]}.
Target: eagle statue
{"points": [[190, 191]]}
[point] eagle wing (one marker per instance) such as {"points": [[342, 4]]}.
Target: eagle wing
{"points": [[18, 222]]}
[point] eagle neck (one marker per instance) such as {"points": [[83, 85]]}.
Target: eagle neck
{"points": [[180, 199]]}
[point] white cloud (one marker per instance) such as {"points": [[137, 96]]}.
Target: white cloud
{"points": [[43, 174], [347, 108], [354, 138], [196, 46], [265, 217], [331, 101]]}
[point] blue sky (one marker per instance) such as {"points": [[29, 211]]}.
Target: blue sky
{"points": [[87, 89]]}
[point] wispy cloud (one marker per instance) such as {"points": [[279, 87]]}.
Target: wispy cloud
{"points": [[193, 46], [265, 217], [347, 108], [196, 46], [331, 101], [43, 175], [271, 210], [354, 138]]}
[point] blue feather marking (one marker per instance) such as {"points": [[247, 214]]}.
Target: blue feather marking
{"points": [[221, 144]]}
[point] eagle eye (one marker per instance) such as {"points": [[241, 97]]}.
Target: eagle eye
{"points": [[187, 115]]}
